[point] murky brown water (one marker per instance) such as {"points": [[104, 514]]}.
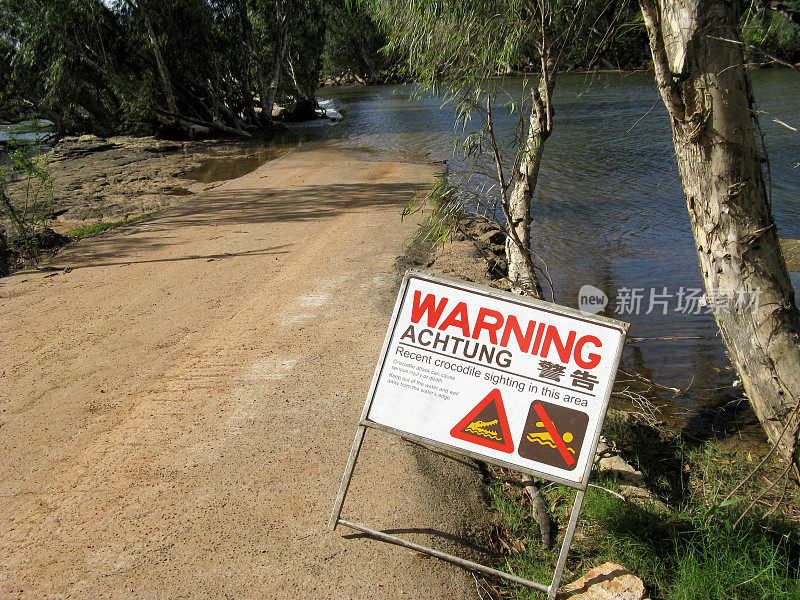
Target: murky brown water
{"points": [[235, 163]]}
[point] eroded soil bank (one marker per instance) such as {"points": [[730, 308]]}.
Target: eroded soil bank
{"points": [[96, 180]]}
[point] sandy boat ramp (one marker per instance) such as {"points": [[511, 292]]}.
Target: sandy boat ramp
{"points": [[178, 400]]}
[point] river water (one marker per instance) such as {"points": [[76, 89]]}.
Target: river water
{"points": [[609, 209]]}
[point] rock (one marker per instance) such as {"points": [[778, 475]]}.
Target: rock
{"points": [[603, 449], [616, 466], [644, 498], [609, 581], [632, 491], [303, 109], [611, 463]]}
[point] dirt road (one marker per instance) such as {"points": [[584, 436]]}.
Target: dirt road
{"points": [[177, 408]]}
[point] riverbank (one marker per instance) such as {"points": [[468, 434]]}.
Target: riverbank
{"points": [[672, 505], [148, 446], [100, 180]]}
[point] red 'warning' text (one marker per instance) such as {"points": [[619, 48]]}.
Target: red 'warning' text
{"points": [[501, 329]]}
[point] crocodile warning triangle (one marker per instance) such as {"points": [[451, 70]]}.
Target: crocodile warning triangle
{"points": [[486, 425]]}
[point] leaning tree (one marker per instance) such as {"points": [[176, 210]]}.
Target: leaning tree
{"points": [[703, 81], [459, 48]]}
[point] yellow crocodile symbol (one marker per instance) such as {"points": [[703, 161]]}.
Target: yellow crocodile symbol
{"points": [[480, 428], [543, 438]]}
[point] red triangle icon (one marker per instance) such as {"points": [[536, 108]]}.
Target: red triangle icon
{"points": [[486, 425]]}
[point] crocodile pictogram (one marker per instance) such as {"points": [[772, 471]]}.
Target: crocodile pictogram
{"points": [[482, 428], [486, 425]]}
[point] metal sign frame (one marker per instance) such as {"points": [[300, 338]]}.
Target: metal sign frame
{"points": [[364, 423]]}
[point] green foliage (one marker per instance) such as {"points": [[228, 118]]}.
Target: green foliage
{"points": [[769, 33], [442, 206], [90, 65], [27, 208], [691, 554], [88, 230], [461, 45], [452, 42], [458, 48], [352, 41], [50, 74], [524, 554], [305, 55]]}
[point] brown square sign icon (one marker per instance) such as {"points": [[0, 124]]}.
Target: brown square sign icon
{"points": [[553, 435]]}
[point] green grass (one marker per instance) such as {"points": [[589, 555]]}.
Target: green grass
{"points": [[518, 528], [684, 547], [697, 553], [82, 232]]}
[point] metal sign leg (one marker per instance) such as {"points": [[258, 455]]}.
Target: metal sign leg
{"points": [[348, 474], [562, 556], [337, 512]]}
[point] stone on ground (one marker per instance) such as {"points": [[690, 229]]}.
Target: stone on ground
{"points": [[609, 581]]}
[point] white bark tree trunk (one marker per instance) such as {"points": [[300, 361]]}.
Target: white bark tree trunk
{"points": [[518, 242], [281, 45], [706, 89], [162, 67]]}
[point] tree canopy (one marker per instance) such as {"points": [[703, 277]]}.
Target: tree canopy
{"points": [[134, 65]]}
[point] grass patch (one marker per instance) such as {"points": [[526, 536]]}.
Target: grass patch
{"points": [[683, 543], [88, 230], [696, 552], [518, 537]]}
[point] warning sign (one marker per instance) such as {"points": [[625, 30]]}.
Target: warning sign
{"points": [[553, 435], [517, 382], [486, 425]]}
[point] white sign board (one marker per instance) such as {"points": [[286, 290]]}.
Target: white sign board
{"points": [[517, 382]]}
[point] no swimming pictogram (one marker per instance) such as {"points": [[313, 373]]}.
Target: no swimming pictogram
{"points": [[553, 435], [486, 425]]}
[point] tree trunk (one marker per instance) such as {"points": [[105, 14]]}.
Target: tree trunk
{"points": [[518, 242], [703, 82], [5, 253], [281, 45], [363, 50], [266, 115], [162, 67]]}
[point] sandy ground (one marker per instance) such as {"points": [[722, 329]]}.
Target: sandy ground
{"points": [[177, 407]]}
